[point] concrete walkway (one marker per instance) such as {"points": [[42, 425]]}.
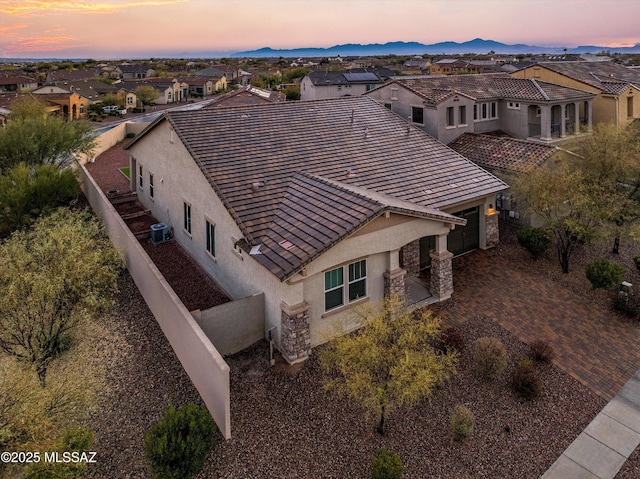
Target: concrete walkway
{"points": [[607, 442]]}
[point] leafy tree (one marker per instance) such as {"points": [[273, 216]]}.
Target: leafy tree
{"points": [[26, 193], [34, 137], [111, 99], [52, 277], [389, 362], [178, 444], [610, 162], [292, 92], [146, 94], [294, 73], [567, 205]]}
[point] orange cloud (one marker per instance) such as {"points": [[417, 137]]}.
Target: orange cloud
{"points": [[43, 44], [35, 7], [9, 29]]}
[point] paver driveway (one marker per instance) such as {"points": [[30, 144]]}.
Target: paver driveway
{"points": [[598, 348]]}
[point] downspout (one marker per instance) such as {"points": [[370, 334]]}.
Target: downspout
{"points": [[617, 112]]}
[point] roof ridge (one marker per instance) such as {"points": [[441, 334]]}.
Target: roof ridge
{"points": [[542, 92]]}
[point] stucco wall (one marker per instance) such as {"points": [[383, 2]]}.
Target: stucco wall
{"points": [[233, 326], [205, 366]]}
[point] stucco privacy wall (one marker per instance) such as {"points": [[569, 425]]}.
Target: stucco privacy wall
{"points": [[205, 366], [235, 325]]}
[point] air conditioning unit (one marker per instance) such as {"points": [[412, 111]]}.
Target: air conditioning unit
{"points": [[159, 233]]}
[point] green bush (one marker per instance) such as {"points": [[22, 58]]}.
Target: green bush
{"points": [[386, 465], [542, 351], [535, 240], [461, 423], [525, 380], [178, 444], [603, 273], [489, 357]]}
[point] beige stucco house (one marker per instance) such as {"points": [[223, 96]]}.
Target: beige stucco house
{"points": [[617, 88], [323, 206]]}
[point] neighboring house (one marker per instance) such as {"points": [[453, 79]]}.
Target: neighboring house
{"points": [[170, 90], [322, 85], [416, 65], [617, 88], [95, 91], [448, 106], [246, 95], [454, 66], [323, 206], [204, 86], [63, 102], [134, 72], [19, 84], [55, 76], [505, 157]]}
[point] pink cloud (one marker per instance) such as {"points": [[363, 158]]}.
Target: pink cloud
{"points": [[36, 7]]}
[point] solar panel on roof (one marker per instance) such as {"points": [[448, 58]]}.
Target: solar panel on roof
{"points": [[354, 77]]}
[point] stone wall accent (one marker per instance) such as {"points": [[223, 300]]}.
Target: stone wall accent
{"points": [[410, 258], [492, 231], [441, 275], [295, 337], [394, 284]]}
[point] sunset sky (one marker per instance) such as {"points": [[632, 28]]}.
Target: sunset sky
{"points": [[105, 29]]}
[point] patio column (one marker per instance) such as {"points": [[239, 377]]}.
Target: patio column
{"points": [[441, 269], [394, 277], [545, 123], [295, 337], [576, 117], [410, 258], [589, 108], [563, 126]]}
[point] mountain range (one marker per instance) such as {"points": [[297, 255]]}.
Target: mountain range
{"points": [[478, 46]]}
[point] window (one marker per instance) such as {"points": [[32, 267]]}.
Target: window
{"points": [[370, 86], [187, 217], [475, 112], [129, 100], [333, 289], [334, 284], [211, 238], [140, 179], [450, 117], [394, 93], [462, 110], [513, 105], [387, 106], [494, 109], [485, 111], [357, 280], [81, 107], [151, 185], [417, 115], [630, 107]]}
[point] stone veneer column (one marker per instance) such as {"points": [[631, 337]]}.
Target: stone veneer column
{"points": [[410, 258], [441, 269], [394, 284], [492, 231], [295, 337]]}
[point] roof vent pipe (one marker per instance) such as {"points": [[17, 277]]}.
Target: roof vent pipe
{"points": [[353, 114]]}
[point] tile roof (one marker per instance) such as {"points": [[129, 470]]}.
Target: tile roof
{"points": [[489, 86], [504, 154], [15, 80], [247, 95], [320, 78], [299, 162], [597, 74]]}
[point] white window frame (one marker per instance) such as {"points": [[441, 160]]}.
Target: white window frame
{"points": [[140, 177], [210, 237], [347, 283], [450, 117], [462, 118], [186, 217], [513, 105], [151, 186], [417, 108]]}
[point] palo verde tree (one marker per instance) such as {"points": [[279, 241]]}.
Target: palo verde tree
{"points": [[610, 162], [146, 94], [565, 203], [389, 362], [53, 276], [34, 137]]}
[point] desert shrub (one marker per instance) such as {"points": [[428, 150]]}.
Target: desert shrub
{"points": [[130, 135], [177, 445], [603, 273], [535, 240], [542, 351], [461, 423], [77, 439], [386, 465], [451, 339], [525, 380], [628, 303], [489, 357]]}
